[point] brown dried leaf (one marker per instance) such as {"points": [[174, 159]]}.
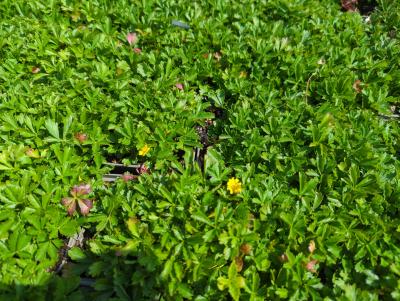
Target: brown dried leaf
{"points": [[357, 86], [246, 249], [311, 246], [239, 263]]}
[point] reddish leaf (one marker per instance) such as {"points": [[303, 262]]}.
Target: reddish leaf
{"points": [[70, 204], [32, 153], [35, 70], [142, 169], [310, 266], [85, 205], [128, 177], [350, 5], [131, 38], [79, 190], [179, 86], [81, 137]]}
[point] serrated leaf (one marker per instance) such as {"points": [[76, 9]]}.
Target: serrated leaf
{"points": [[167, 268], [69, 228], [234, 288], [76, 253], [52, 128], [200, 216]]}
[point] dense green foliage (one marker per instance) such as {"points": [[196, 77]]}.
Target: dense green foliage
{"points": [[309, 97]]}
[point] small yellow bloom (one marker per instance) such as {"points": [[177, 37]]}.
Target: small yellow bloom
{"points": [[234, 186], [144, 150]]}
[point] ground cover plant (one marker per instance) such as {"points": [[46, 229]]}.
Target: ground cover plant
{"points": [[265, 135]]}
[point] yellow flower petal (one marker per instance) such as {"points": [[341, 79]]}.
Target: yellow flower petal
{"points": [[144, 150], [234, 186]]}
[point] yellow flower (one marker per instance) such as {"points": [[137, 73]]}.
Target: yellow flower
{"points": [[144, 150], [234, 186]]}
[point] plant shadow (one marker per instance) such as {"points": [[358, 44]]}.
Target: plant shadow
{"points": [[109, 276]]}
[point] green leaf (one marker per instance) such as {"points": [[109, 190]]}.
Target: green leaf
{"points": [[76, 254], [234, 288], [67, 125], [166, 272], [69, 228], [185, 290], [201, 217], [52, 127]]}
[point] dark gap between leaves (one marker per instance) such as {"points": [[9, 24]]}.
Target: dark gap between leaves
{"points": [[364, 7], [118, 170], [204, 133], [78, 240]]}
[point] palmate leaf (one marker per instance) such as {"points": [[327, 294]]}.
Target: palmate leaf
{"points": [[234, 282]]}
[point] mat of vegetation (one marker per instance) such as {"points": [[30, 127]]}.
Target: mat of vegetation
{"points": [[296, 194]]}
